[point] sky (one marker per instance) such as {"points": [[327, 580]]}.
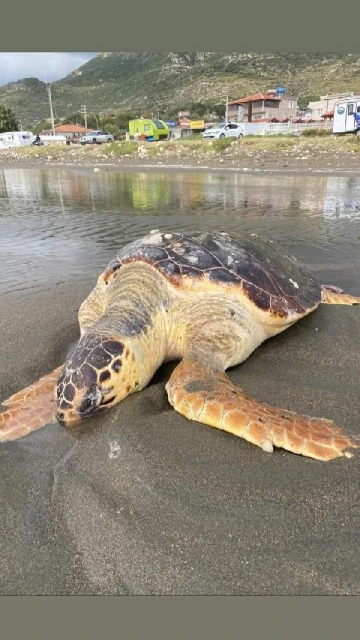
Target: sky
{"points": [[15, 66]]}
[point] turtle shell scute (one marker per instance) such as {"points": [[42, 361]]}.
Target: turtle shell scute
{"points": [[260, 269]]}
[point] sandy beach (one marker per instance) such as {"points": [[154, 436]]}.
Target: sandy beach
{"points": [[141, 501]]}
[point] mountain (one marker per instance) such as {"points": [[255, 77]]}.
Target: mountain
{"points": [[159, 81]]}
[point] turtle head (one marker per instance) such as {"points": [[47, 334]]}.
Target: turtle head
{"points": [[100, 372]]}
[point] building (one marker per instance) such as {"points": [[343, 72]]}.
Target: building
{"points": [[324, 108], [262, 106], [70, 131]]}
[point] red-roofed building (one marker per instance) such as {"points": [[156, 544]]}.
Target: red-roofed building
{"points": [[68, 130], [262, 106]]}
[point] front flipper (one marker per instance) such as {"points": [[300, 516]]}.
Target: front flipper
{"points": [[208, 396], [334, 295], [29, 409]]}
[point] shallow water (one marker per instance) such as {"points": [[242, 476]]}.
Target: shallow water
{"points": [[56, 224]]}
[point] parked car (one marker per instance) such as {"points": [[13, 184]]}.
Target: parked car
{"points": [[97, 137], [224, 130]]}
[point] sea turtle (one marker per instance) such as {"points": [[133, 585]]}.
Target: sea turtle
{"points": [[206, 299]]}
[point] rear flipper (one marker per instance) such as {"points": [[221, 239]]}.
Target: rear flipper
{"points": [[334, 295], [29, 409], [208, 396]]}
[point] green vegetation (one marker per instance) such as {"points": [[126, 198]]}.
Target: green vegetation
{"points": [[315, 132], [54, 151], [274, 143], [193, 143], [224, 143], [303, 101], [116, 123], [301, 144], [44, 125], [192, 149], [199, 110], [119, 148], [269, 143], [114, 85], [8, 120]]}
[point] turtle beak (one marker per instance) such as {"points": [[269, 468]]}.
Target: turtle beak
{"points": [[68, 418], [90, 402]]}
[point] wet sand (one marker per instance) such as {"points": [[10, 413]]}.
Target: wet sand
{"points": [[141, 501]]}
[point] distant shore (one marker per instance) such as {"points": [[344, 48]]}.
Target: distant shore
{"points": [[327, 154]]}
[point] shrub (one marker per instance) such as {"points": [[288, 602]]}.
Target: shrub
{"points": [[223, 143], [120, 148], [192, 142], [313, 132]]}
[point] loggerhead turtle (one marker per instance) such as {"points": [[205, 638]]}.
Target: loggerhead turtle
{"points": [[207, 299]]}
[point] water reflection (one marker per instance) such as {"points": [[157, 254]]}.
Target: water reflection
{"points": [[73, 221], [146, 191], [342, 196]]}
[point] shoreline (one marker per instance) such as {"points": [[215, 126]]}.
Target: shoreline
{"points": [[326, 155], [129, 168]]}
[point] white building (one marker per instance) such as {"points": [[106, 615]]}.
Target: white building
{"points": [[317, 109]]}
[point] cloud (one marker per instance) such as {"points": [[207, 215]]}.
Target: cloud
{"points": [[15, 66]]}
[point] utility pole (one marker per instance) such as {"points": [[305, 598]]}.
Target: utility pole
{"points": [[84, 113], [48, 88], [226, 108]]}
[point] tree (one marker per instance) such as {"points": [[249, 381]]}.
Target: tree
{"points": [[8, 121], [303, 101], [43, 125]]}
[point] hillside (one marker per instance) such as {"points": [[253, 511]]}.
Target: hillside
{"points": [[140, 81]]}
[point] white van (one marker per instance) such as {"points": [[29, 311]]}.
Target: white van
{"points": [[347, 116], [16, 139]]}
